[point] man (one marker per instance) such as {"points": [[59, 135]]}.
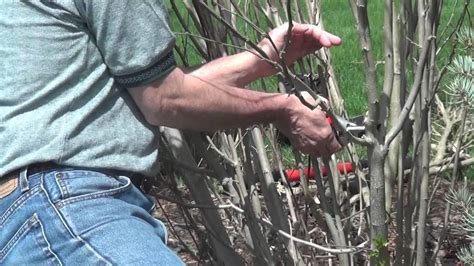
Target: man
{"points": [[84, 86]]}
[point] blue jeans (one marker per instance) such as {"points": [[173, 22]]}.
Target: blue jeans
{"points": [[73, 216]]}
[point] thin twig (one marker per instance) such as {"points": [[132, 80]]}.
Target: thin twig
{"points": [[266, 222], [223, 155], [189, 167]]}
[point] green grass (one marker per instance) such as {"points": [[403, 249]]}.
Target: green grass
{"points": [[347, 58]]}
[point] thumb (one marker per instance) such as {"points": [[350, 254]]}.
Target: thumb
{"points": [[311, 100]]}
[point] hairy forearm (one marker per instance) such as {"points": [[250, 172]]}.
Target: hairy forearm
{"points": [[234, 70], [245, 67], [187, 101]]}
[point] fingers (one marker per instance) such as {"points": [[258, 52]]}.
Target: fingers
{"points": [[308, 130], [328, 39], [325, 38], [332, 145], [316, 34], [324, 149], [311, 33], [328, 146], [308, 97], [319, 142]]}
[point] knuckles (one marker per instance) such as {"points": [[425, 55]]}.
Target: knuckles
{"points": [[326, 133]]}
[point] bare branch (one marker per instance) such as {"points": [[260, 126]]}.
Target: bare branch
{"points": [[415, 89], [310, 244]]}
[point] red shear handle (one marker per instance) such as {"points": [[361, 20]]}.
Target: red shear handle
{"points": [[330, 120], [338, 135], [294, 174]]}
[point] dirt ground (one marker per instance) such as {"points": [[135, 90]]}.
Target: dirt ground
{"points": [[185, 241]]}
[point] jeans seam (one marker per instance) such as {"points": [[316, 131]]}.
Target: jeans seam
{"points": [[78, 238], [18, 204], [48, 245], [24, 228], [165, 231], [62, 186], [96, 195]]}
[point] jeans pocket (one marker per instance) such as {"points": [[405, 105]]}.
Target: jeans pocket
{"points": [[28, 239], [79, 185]]}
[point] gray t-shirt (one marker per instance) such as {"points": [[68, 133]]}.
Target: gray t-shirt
{"points": [[65, 67]]}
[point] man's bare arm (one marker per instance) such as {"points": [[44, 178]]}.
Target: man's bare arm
{"points": [[210, 97], [241, 69], [185, 101], [235, 70]]}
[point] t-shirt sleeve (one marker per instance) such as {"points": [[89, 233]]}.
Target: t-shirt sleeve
{"points": [[133, 37]]}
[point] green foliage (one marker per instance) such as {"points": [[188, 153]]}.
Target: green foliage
{"points": [[464, 201], [463, 89], [465, 38], [459, 91], [462, 85], [380, 243], [463, 66], [466, 255]]}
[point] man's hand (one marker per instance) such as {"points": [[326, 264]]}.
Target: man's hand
{"points": [[308, 130], [304, 39]]}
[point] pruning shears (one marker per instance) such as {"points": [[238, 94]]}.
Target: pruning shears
{"points": [[354, 126], [343, 127]]}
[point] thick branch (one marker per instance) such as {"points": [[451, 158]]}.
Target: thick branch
{"points": [[360, 12], [415, 89]]}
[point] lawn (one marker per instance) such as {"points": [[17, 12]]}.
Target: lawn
{"points": [[348, 65]]}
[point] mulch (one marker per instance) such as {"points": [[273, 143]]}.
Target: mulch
{"points": [[184, 238]]}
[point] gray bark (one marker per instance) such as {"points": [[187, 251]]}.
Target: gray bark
{"points": [[219, 240]]}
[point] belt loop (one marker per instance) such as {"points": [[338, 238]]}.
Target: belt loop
{"points": [[24, 180]]}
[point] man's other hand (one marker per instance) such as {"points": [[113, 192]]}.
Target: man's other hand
{"points": [[304, 39]]}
